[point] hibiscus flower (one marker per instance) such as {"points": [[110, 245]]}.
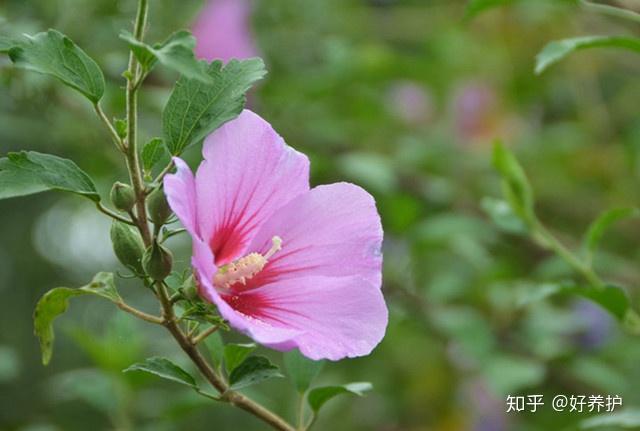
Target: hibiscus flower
{"points": [[287, 265]]}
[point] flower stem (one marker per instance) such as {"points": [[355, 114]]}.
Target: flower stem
{"points": [[131, 147], [139, 314]]}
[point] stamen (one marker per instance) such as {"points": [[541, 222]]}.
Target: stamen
{"points": [[246, 267]]}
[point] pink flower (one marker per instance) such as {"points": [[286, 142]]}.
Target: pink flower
{"points": [[288, 265], [223, 31]]}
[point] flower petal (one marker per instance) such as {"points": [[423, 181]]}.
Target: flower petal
{"points": [[332, 230], [336, 317], [181, 194], [248, 173]]}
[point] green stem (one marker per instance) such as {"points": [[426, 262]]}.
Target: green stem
{"points": [[131, 147], [113, 214], [552, 243], [611, 11], [114, 134], [301, 412]]}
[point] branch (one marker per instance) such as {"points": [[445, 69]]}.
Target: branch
{"points": [[611, 11]]}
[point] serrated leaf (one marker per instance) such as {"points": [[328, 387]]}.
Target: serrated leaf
{"points": [[234, 354], [515, 184], [301, 369], [215, 346], [152, 152], [601, 224], [53, 53], [475, 7], [557, 50], [56, 302], [164, 368], [252, 370], [175, 53], [29, 172], [503, 216], [319, 396], [196, 109]]}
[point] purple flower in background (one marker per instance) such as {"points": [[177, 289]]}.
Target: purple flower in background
{"points": [[597, 325], [288, 265], [223, 31], [475, 108], [410, 102]]}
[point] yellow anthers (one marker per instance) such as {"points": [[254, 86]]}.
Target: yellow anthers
{"points": [[246, 267]]}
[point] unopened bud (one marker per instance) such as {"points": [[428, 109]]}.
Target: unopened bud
{"points": [[157, 262], [122, 196], [158, 207], [127, 245]]}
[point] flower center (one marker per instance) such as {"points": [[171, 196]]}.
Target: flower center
{"points": [[243, 269]]}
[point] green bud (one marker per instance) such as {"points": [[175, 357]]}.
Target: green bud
{"points": [[127, 245], [158, 207], [157, 261], [122, 196]]}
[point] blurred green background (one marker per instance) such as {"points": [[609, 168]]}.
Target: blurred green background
{"points": [[404, 98]]}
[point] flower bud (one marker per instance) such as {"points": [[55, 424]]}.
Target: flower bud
{"points": [[158, 207], [127, 245], [122, 196], [157, 262]]}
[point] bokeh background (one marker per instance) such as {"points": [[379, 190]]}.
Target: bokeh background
{"points": [[403, 97]]}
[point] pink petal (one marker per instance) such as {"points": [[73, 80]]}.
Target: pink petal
{"points": [[223, 31], [181, 194], [332, 230], [248, 173], [336, 317]]}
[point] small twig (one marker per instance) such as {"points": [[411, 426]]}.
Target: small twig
{"points": [[113, 214], [171, 233], [204, 334], [139, 314], [163, 172]]}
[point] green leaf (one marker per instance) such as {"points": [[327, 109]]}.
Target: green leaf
{"points": [[626, 419], [319, 396], [611, 298], [557, 50], [302, 370], [164, 368], [152, 152], [515, 184], [475, 7], [503, 216], [29, 172], [175, 53], [196, 109], [601, 224], [215, 346], [53, 53], [252, 370], [6, 44], [234, 354], [56, 301]]}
